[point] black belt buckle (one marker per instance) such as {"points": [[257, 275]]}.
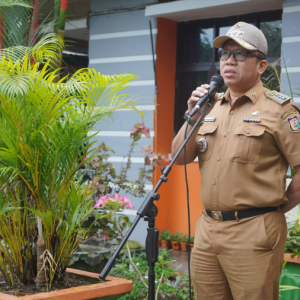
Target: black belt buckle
{"points": [[217, 215]]}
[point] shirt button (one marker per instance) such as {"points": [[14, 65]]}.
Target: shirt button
{"points": [[248, 131], [219, 158], [232, 112], [213, 183], [225, 134], [215, 207]]}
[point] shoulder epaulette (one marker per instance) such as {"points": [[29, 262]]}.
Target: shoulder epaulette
{"points": [[278, 97]]}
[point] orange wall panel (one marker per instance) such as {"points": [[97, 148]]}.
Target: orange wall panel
{"points": [[172, 204], [177, 198]]}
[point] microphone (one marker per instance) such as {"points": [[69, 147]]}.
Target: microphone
{"points": [[216, 82]]}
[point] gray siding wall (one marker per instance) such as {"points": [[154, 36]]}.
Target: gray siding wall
{"points": [[291, 48], [120, 43]]}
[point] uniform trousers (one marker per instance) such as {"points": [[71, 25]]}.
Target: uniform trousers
{"points": [[238, 260]]}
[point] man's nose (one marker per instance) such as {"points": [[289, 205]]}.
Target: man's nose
{"points": [[231, 60]]}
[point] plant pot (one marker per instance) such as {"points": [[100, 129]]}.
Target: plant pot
{"points": [[292, 259], [115, 286], [165, 244], [184, 247], [175, 245], [159, 243], [191, 246]]}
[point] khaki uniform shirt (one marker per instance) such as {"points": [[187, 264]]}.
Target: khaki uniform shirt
{"points": [[245, 163]]}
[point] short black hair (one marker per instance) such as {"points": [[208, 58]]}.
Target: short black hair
{"points": [[261, 55]]}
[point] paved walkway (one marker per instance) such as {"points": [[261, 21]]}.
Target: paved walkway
{"points": [[181, 260]]}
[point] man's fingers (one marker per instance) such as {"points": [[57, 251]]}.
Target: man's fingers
{"points": [[202, 90], [199, 93], [206, 86], [194, 98]]}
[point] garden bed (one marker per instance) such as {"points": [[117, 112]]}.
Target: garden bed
{"points": [[79, 285]]}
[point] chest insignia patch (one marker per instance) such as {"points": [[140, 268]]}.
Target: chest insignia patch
{"points": [[288, 112], [202, 145], [255, 113], [251, 120], [209, 119], [294, 123]]}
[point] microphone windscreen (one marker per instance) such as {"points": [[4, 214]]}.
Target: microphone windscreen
{"points": [[218, 79]]}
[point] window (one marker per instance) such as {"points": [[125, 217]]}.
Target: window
{"points": [[197, 59]]}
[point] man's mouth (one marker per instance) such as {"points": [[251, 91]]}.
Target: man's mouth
{"points": [[229, 71]]}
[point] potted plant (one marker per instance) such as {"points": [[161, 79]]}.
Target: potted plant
{"points": [[165, 239], [45, 139], [175, 240], [192, 242], [184, 243]]}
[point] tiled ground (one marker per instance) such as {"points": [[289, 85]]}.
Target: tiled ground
{"points": [[181, 260]]}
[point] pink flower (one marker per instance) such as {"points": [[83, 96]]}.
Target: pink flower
{"points": [[129, 206], [106, 201], [147, 149], [116, 197], [146, 131], [154, 155]]}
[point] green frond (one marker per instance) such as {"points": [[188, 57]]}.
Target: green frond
{"points": [[19, 22], [47, 47], [24, 3]]}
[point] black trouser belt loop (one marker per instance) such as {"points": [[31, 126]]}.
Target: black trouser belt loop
{"points": [[241, 214]]}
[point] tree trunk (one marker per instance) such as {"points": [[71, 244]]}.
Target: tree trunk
{"points": [[41, 277], [40, 249]]}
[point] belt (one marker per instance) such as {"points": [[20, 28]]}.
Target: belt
{"points": [[239, 214]]}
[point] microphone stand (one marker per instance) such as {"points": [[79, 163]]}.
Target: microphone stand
{"points": [[149, 211]]}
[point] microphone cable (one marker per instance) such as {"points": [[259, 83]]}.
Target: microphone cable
{"points": [[188, 211]]}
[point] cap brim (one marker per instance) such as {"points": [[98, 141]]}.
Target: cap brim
{"points": [[220, 40]]}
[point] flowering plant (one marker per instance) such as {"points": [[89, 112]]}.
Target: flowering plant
{"points": [[115, 203], [106, 178], [116, 221]]}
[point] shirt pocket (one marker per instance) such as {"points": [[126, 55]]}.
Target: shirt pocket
{"points": [[207, 132], [247, 143]]}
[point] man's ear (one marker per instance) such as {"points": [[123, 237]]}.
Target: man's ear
{"points": [[263, 64]]}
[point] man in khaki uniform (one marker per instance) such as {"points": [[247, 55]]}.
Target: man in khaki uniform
{"points": [[244, 148]]}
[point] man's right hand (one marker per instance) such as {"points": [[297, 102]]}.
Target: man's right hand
{"points": [[198, 93], [191, 145]]}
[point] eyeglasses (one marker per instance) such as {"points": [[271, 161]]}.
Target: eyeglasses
{"points": [[238, 55]]}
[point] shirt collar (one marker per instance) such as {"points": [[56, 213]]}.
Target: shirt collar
{"points": [[253, 94]]}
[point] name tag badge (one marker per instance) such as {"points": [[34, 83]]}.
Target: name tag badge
{"points": [[209, 119]]}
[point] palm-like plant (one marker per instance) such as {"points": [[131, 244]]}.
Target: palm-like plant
{"points": [[21, 21], [44, 141]]}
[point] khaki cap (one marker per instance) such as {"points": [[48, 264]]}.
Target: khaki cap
{"points": [[246, 35]]}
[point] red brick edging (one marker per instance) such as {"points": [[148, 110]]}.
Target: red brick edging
{"points": [[115, 286]]}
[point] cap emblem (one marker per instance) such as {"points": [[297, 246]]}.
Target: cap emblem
{"points": [[237, 33], [239, 25]]}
